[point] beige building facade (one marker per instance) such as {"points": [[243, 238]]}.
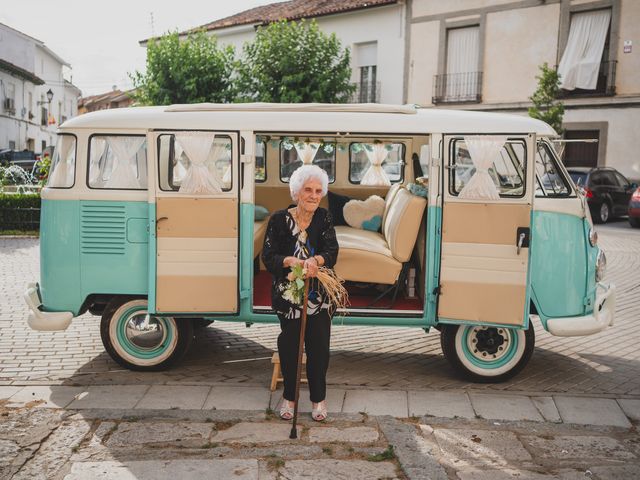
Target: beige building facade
{"points": [[485, 55]]}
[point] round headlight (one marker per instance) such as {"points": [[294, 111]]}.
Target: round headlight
{"points": [[601, 266], [593, 237]]}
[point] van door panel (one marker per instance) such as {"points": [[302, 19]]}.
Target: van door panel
{"points": [[483, 273]]}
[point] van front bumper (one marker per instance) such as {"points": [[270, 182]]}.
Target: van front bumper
{"points": [[44, 321], [598, 320]]}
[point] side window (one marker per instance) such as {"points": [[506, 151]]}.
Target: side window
{"points": [[63, 165], [596, 179], [609, 179], [261, 161], [293, 155], [550, 181], [118, 162], [195, 162], [623, 182], [369, 162], [506, 171]]}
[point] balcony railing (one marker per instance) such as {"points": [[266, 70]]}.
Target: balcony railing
{"points": [[457, 87], [606, 85], [366, 93]]}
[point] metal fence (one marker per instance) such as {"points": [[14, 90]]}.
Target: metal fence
{"points": [[606, 85], [457, 87], [366, 93]]}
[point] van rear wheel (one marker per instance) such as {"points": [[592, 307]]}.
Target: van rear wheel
{"points": [[143, 342], [487, 354]]}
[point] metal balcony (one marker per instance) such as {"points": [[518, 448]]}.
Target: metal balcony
{"points": [[366, 93], [457, 88], [605, 87]]}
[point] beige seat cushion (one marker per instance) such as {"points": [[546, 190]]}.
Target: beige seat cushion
{"points": [[402, 223], [259, 230], [364, 256], [391, 194]]}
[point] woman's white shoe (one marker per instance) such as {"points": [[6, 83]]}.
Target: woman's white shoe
{"points": [[319, 411], [286, 409]]}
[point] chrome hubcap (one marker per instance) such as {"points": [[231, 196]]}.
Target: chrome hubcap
{"points": [[145, 332], [488, 343], [604, 212]]}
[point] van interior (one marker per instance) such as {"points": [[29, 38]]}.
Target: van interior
{"points": [[382, 264]]}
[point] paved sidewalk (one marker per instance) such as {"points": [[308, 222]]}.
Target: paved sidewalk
{"points": [[168, 432]]}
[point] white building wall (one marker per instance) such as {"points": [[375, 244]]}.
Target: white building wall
{"points": [[17, 48], [384, 25]]}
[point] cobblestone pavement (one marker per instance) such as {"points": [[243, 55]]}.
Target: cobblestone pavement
{"points": [[382, 357]]}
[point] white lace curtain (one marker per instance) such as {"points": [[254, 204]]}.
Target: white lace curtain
{"points": [[63, 165], [307, 152], [199, 178], [375, 174], [483, 150], [463, 53], [124, 151], [580, 61]]}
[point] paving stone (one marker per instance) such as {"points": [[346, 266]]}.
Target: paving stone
{"points": [[45, 396], [54, 452], [377, 402], [237, 398], [159, 433], [631, 408], [591, 411], [255, 433], [165, 397], [106, 396], [350, 435], [578, 447], [7, 391], [617, 472], [440, 404], [547, 408], [9, 451], [165, 470], [502, 474], [415, 453], [29, 427], [336, 470], [473, 445], [335, 400], [505, 407]]}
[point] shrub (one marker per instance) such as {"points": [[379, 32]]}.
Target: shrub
{"points": [[19, 212]]}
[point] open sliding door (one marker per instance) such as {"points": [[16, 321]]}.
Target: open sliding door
{"points": [[196, 222], [487, 191]]}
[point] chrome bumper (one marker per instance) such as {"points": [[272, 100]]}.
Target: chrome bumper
{"points": [[601, 318], [44, 321]]}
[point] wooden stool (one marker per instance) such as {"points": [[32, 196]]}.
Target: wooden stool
{"points": [[276, 376]]}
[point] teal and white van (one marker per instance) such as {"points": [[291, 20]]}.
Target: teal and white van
{"points": [[154, 217]]}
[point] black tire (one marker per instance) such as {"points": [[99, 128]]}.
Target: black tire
{"points": [[602, 214], [140, 343], [474, 366], [634, 222]]}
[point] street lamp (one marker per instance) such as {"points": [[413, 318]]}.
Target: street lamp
{"points": [[49, 98]]}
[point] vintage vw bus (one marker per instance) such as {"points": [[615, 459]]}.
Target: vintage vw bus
{"points": [[154, 218]]}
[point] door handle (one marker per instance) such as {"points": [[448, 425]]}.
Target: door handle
{"points": [[161, 219], [522, 238]]}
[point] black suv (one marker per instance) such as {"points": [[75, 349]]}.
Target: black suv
{"points": [[607, 190]]}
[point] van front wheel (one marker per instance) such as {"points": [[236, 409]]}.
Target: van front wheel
{"points": [[487, 354], [143, 342]]}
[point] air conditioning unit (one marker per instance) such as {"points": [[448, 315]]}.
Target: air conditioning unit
{"points": [[9, 105]]}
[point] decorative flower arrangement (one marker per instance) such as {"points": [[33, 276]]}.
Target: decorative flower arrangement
{"points": [[333, 286]]}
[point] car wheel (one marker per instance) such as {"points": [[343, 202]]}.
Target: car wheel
{"points": [[142, 342], [487, 354], [634, 222], [602, 214]]}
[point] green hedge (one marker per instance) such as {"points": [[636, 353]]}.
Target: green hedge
{"points": [[19, 211]]}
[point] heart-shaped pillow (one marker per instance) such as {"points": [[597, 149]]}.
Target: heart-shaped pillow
{"points": [[362, 213]]}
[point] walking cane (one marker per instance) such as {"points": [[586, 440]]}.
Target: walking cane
{"points": [[303, 327]]}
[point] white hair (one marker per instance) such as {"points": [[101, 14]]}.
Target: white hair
{"points": [[302, 175]]}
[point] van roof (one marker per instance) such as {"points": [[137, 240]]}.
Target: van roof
{"points": [[312, 118]]}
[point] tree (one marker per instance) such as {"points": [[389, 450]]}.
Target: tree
{"points": [[546, 107], [192, 70], [294, 62]]}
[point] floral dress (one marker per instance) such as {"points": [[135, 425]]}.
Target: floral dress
{"points": [[283, 239]]}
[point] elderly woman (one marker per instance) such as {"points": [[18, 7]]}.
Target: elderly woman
{"points": [[303, 235]]}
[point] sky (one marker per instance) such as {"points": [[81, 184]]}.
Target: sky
{"points": [[100, 39]]}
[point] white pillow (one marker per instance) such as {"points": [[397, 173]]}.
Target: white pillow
{"points": [[364, 214]]}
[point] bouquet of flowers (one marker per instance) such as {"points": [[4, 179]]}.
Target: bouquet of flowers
{"points": [[333, 286]]}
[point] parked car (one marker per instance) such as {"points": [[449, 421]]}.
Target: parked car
{"points": [[25, 158], [608, 191], [634, 209]]}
